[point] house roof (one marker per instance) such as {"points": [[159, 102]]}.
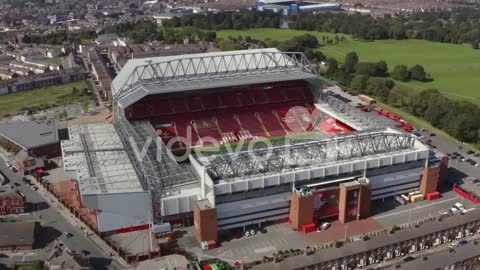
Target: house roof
{"points": [[31, 134], [17, 234], [22, 155]]}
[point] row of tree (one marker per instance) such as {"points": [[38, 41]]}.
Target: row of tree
{"points": [[145, 30], [457, 26], [59, 37], [402, 73], [227, 20], [459, 118], [302, 43]]}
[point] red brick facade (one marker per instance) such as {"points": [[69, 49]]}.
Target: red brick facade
{"points": [[354, 202], [301, 210], [11, 203], [205, 221]]}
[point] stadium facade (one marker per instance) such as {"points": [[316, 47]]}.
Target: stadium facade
{"points": [[286, 7], [262, 142]]}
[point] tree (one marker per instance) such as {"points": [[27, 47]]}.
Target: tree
{"points": [[379, 87], [332, 66], [381, 69], [359, 83], [475, 45], [351, 60], [75, 91], [342, 77], [417, 73], [366, 68], [319, 56], [400, 73], [85, 106]]}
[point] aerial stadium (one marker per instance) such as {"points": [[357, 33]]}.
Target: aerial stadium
{"points": [[234, 139]]}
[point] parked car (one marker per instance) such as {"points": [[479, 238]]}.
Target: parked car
{"points": [[443, 212], [454, 210], [325, 226], [454, 244], [433, 134], [408, 258], [68, 235], [460, 207], [8, 164], [16, 184], [462, 242]]}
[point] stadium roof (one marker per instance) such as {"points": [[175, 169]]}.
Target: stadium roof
{"points": [[31, 134], [97, 157], [140, 77], [303, 154]]}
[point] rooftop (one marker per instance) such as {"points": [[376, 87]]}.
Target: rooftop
{"points": [[140, 77], [31, 134], [98, 160], [17, 234], [374, 243]]}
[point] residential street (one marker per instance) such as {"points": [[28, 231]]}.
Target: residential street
{"points": [[56, 224]]}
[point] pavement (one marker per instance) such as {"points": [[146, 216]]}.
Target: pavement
{"points": [[57, 220]]}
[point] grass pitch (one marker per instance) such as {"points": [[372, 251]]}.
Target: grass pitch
{"points": [[47, 96]]}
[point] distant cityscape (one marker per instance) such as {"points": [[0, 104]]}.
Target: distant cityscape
{"points": [[265, 134]]}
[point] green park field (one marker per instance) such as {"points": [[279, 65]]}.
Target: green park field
{"points": [[38, 98], [274, 33], [455, 69]]}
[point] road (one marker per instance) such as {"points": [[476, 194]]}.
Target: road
{"points": [[56, 224]]}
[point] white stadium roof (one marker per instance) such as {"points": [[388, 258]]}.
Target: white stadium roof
{"points": [[140, 77], [97, 159]]}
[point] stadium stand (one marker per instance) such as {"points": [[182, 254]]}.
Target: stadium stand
{"points": [[226, 115]]}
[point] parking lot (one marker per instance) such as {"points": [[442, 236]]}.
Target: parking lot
{"points": [[389, 212]]}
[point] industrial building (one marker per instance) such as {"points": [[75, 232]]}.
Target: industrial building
{"points": [[236, 139], [286, 7]]}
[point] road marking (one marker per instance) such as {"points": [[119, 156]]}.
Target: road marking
{"points": [[265, 249], [415, 208]]}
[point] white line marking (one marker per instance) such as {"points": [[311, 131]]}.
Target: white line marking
{"points": [[265, 249]]}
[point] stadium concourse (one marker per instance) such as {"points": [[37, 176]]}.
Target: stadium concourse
{"points": [[324, 158]]}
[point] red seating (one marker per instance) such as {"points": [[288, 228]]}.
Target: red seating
{"points": [[229, 100], [195, 103], [179, 105], [272, 124], [245, 98], [185, 130], [229, 137], [212, 113], [274, 95], [294, 94], [210, 102], [161, 107], [290, 123], [250, 122], [227, 123], [259, 96], [307, 94]]}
